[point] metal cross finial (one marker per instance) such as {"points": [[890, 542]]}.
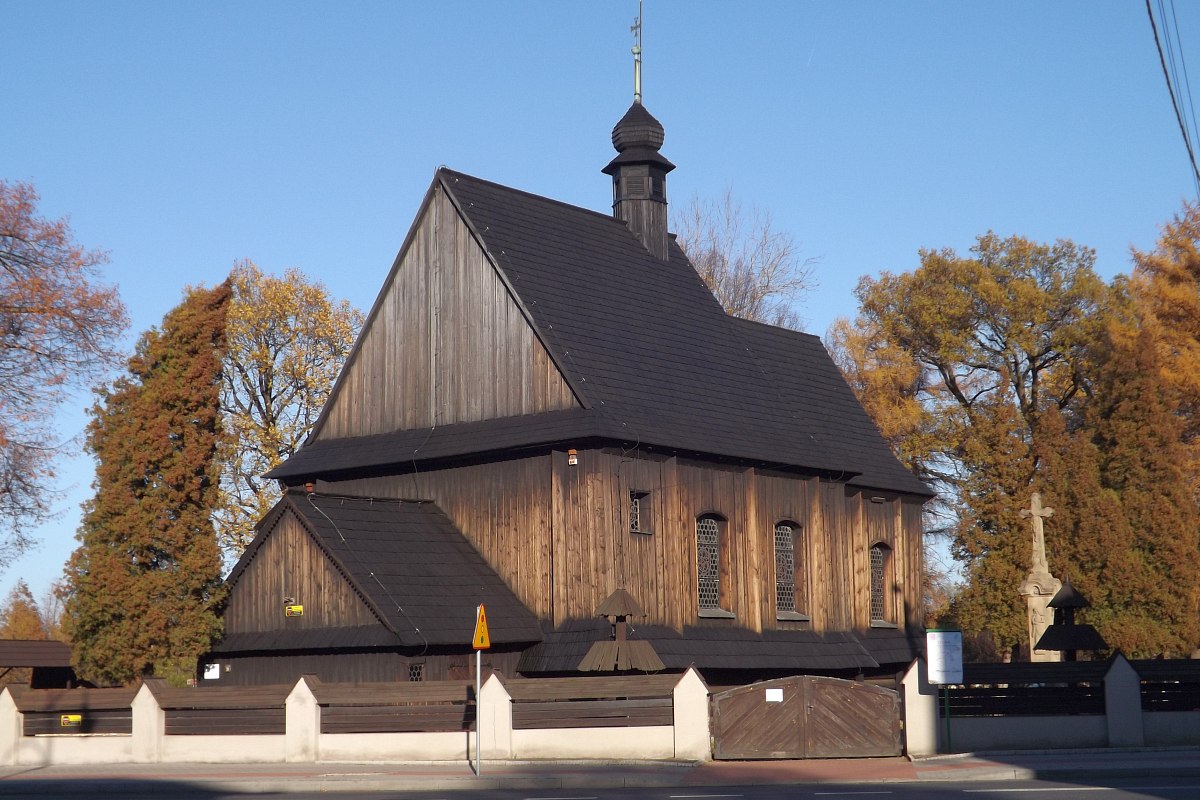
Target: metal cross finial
{"points": [[636, 29]]}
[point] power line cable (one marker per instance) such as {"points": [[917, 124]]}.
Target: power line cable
{"points": [[1174, 103], [1187, 84]]}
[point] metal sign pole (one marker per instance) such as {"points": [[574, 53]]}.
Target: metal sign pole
{"points": [[478, 718], [480, 641], [949, 746]]}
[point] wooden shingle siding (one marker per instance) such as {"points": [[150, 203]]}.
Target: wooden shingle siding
{"points": [[223, 710], [592, 702], [398, 719], [446, 343], [42, 723], [101, 710], [289, 565], [592, 713], [396, 708], [224, 722]]}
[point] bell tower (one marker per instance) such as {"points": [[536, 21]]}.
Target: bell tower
{"points": [[639, 171]]}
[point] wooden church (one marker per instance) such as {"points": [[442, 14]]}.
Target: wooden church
{"points": [[548, 412]]}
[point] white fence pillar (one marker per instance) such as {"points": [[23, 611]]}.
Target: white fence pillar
{"points": [[692, 735], [921, 720], [10, 728], [493, 711], [149, 723], [1123, 704], [302, 726]]}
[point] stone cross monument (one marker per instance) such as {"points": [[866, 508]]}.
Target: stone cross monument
{"points": [[1039, 586]]}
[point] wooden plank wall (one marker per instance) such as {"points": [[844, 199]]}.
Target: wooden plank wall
{"points": [[447, 343], [290, 565], [265, 669], [564, 551], [357, 667]]}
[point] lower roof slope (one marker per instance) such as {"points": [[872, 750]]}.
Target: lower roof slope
{"points": [[655, 358], [705, 648], [34, 653], [409, 563]]}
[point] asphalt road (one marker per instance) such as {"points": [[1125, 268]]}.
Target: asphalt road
{"points": [[1125, 789]]}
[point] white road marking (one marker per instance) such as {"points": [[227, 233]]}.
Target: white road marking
{"points": [[1045, 789]]}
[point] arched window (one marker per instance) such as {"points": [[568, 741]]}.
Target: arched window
{"points": [[712, 566], [791, 589], [881, 557]]}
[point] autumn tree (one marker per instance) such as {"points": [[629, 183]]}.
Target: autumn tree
{"points": [[20, 617], [958, 361], [1166, 283], [754, 270], [59, 328], [144, 584], [1126, 527], [287, 341]]}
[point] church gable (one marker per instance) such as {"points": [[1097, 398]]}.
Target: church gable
{"points": [[445, 343], [288, 568]]}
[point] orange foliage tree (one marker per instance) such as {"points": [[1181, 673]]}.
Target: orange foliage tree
{"points": [[144, 586], [59, 328]]}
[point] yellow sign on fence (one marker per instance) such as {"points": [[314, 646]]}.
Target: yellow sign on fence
{"points": [[70, 720]]}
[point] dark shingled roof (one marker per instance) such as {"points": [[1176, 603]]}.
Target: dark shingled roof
{"points": [[410, 564], [893, 645], [1071, 637], [34, 653], [652, 354], [704, 647], [352, 637]]}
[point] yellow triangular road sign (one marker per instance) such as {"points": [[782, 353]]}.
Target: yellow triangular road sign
{"points": [[481, 640]]}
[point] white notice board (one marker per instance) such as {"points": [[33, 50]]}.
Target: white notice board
{"points": [[944, 651]]}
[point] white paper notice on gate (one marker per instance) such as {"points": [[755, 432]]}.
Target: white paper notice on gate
{"points": [[774, 695], [944, 649]]}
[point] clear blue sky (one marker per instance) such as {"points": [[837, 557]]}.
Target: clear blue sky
{"points": [[182, 136]]}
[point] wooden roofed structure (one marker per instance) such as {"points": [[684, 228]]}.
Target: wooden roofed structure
{"points": [[563, 387]]}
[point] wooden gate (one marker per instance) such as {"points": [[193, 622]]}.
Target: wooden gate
{"points": [[806, 717]]}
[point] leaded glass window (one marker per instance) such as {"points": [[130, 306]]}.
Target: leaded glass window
{"points": [[785, 567], [879, 554], [708, 561]]}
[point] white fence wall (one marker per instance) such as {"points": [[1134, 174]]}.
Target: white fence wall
{"points": [[687, 739], [1123, 724]]}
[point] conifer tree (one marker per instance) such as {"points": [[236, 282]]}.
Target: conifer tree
{"points": [[20, 617], [144, 584], [1166, 285], [1142, 574]]}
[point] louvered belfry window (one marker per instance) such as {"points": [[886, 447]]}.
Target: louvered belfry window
{"points": [[879, 554], [708, 561], [639, 512], [785, 567]]}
